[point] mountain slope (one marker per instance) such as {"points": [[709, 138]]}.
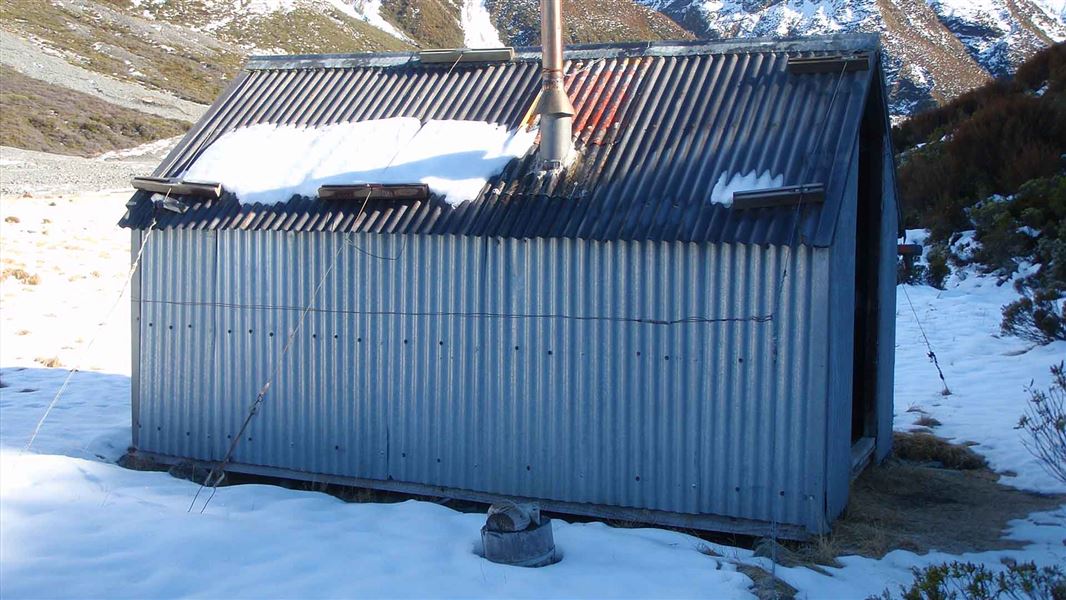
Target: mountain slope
{"points": [[937, 48], [111, 41], [518, 21], [1000, 34], [188, 49]]}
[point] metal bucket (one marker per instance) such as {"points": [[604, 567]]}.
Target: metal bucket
{"points": [[533, 547]]}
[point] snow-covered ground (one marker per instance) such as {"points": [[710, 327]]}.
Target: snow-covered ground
{"points": [[74, 524]]}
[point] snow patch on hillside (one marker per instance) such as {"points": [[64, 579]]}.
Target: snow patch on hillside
{"points": [[270, 163], [369, 11], [731, 18], [478, 31], [1054, 8], [997, 33]]}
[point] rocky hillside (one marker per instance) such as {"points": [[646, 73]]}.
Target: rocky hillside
{"points": [[937, 48], [166, 57]]}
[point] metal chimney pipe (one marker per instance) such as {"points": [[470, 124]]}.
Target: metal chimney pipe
{"points": [[556, 112]]}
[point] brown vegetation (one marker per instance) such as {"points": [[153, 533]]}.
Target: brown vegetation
{"points": [[988, 141], [40, 116], [434, 23], [927, 448], [909, 504], [518, 22], [21, 275], [49, 361], [103, 38], [306, 31]]}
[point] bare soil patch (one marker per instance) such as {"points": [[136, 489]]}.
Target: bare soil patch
{"points": [[923, 504]]}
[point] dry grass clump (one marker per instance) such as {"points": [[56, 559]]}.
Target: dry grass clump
{"points": [[21, 275], [49, 361], [927, 421], [927, 448], [11, 219]]}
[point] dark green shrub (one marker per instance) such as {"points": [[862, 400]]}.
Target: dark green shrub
{"points": [[938, 270], [968, 581], [1001, 242]]}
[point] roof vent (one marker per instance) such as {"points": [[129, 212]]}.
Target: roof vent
{"points": [[810, 193], [831, 63], [375, 191], [176, 187], [462, 55]]}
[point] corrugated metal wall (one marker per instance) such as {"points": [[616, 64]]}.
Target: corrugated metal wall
{"points": [[636, 374]]}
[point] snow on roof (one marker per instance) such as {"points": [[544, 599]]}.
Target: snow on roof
{"points": [[727, 184], [269, 164]]}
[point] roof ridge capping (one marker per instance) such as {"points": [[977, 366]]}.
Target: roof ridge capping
{"points": [[844, 42]]}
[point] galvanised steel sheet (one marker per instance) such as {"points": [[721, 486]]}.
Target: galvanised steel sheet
{"points": [[657, 126], [682, 377]]}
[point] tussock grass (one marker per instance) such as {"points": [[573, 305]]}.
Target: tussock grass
{"points": [[41, 116], [519, 22], [21, 275], [927, 448], [304, 31], [927, 421], [49, 361]]}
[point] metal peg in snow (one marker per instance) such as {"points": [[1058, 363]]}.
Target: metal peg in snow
{"points": [[515, 534]]}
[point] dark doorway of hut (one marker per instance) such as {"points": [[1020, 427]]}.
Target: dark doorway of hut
{"points": [[868, 256]]}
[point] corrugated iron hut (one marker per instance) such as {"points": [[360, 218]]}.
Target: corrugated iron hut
{"points": [[691, 324]]}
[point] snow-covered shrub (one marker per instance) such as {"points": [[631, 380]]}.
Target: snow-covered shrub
{"points": [[969, 581], [1044, 424], [1027, 228]]}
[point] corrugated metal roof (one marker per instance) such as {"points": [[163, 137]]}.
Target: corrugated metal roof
{"points": [[656, 126]]}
